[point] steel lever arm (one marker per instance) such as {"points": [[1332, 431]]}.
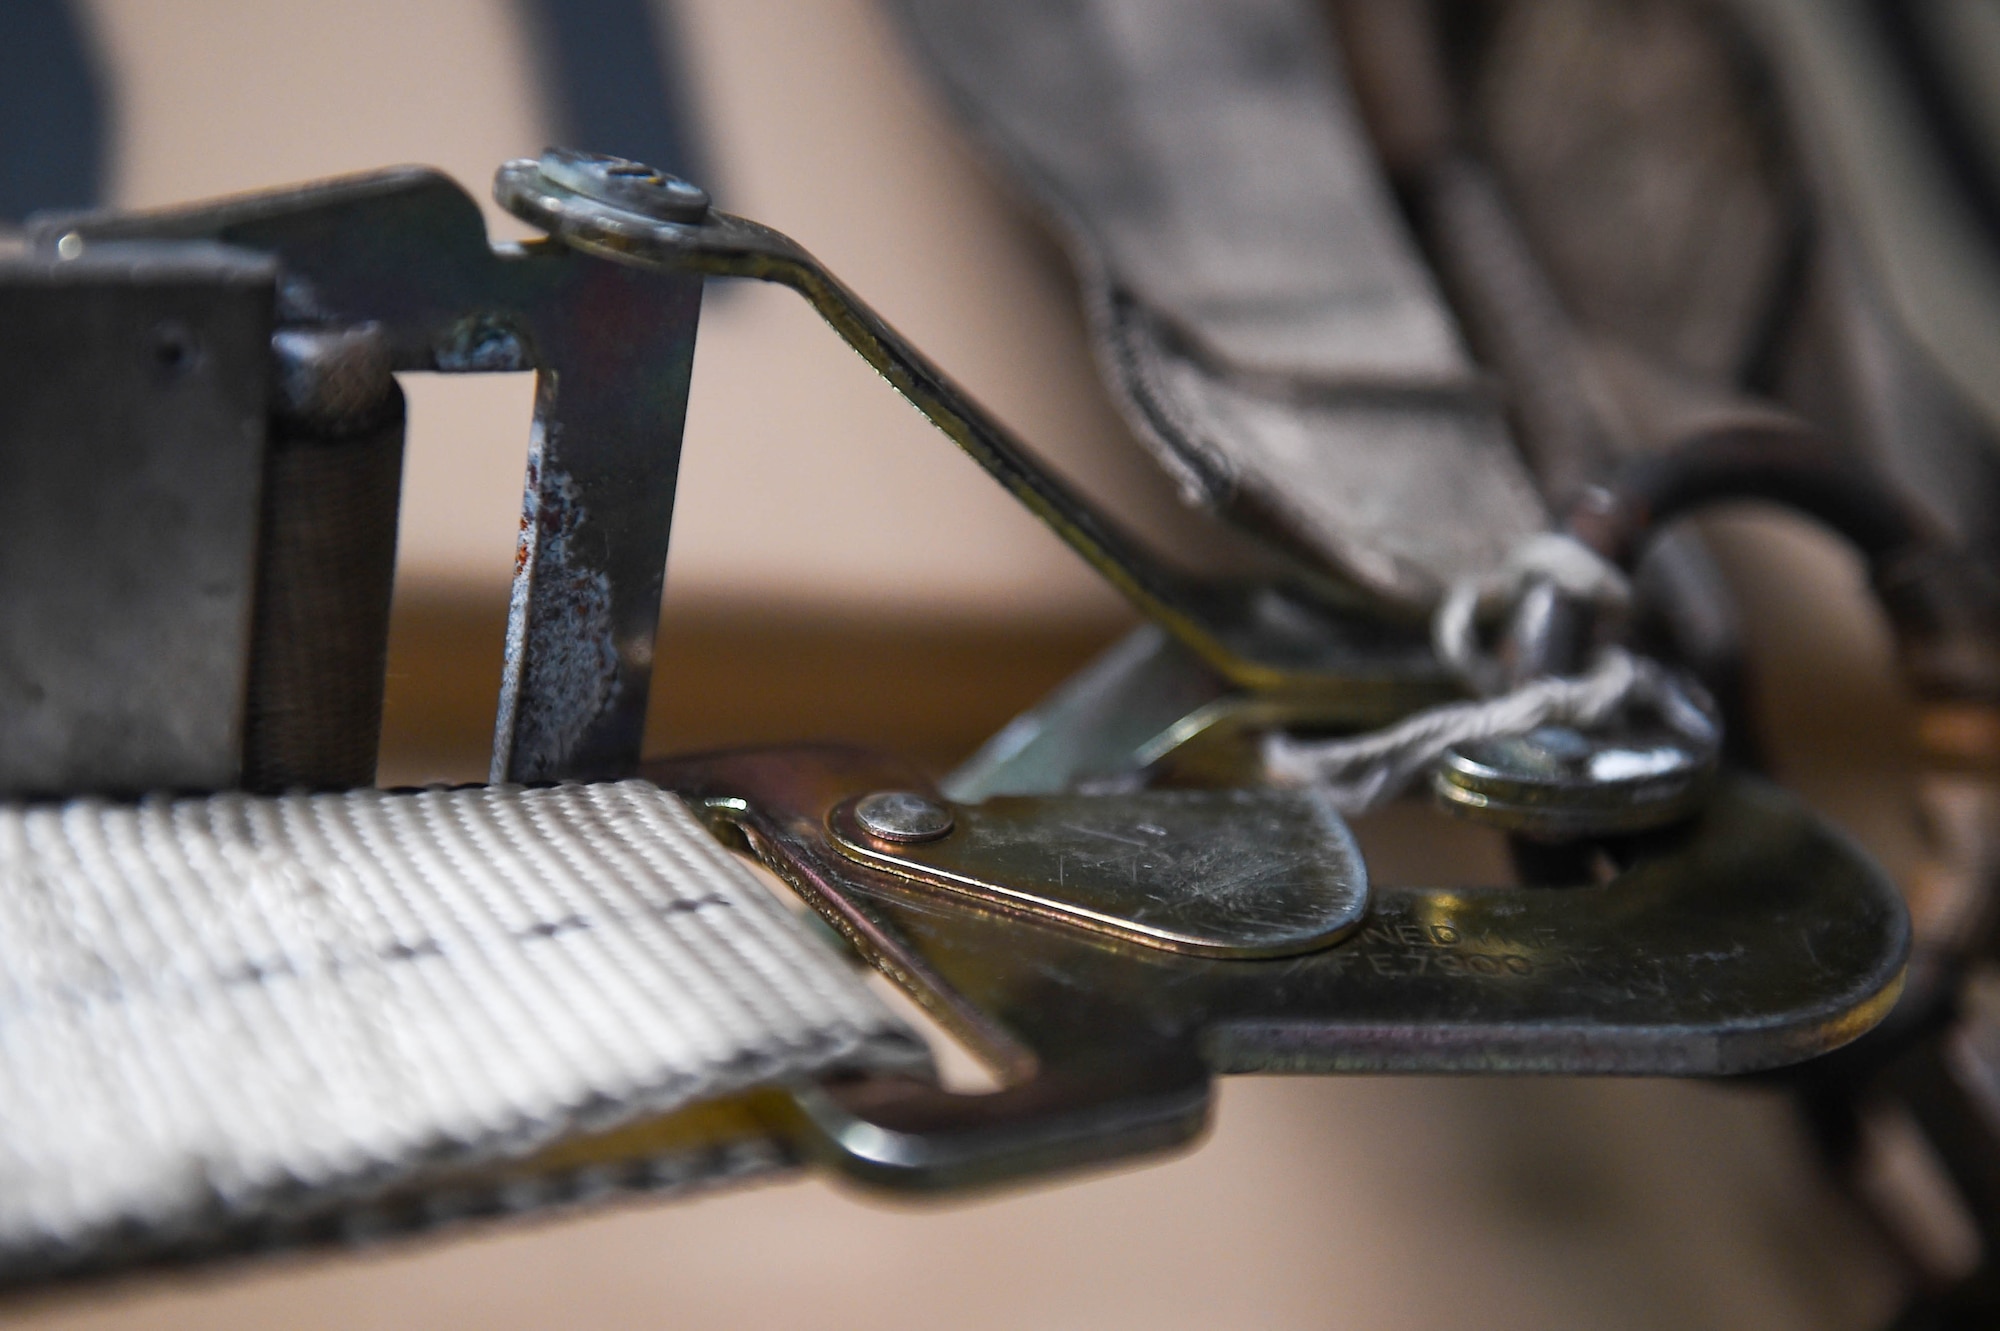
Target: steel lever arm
{"points": [[612, 343], [1269, 637]]}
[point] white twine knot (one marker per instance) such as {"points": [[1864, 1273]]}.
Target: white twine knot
{"points": [[1362, 772], [1576, 570]]}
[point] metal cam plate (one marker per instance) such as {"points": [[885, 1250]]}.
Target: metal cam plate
{"points": [[1749, 937], [1222, 873]]}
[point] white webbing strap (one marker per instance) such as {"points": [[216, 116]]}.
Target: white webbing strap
{"points": [[210, 1008]]}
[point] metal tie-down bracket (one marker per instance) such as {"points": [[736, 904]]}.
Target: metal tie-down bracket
{"points": [[613, 349], [1749, 937], [1107, 955]]}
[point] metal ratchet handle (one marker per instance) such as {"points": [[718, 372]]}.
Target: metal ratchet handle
{"points": [[1221, 623]]}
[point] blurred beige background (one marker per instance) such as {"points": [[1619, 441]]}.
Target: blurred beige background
{"points": [[838, 568]]}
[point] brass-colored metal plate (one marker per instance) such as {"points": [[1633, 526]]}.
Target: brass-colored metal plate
{"points": [[1223, 873], [1749, 937]]}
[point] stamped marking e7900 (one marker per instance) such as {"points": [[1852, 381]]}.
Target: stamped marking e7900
{"points": [[1406, 948]]}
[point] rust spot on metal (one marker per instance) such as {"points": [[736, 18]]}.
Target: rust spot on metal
{"points": [[524, 541], [562, 639]]}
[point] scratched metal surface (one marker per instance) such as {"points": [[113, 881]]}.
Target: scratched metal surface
{"points": [[1751, 937], [1573, 979], [613, 347], [131, 439], [1229, 873]]}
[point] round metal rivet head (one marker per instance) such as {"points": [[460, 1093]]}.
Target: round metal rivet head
{"points": [[902, 816], [633, 186], [1558, 783]]}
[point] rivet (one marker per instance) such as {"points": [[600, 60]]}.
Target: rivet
{"points": [[633, 186], [902, 816]]}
